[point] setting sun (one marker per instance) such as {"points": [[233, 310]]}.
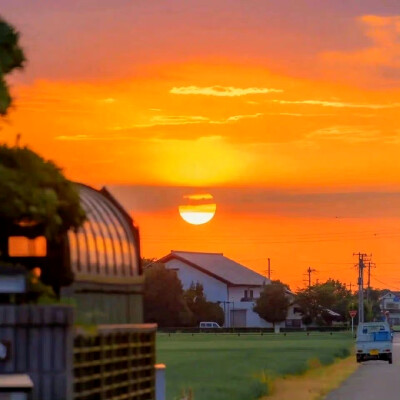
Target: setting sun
{"points": [[199, 208]]}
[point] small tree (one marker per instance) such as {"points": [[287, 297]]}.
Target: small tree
{"points": [[273, 303], [202, 309]]}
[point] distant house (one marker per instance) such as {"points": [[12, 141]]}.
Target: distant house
{"points": [[390, 305], [233, 285]]}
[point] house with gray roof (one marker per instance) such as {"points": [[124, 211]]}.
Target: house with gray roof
{"points": [[234, 286], [390, 306]]}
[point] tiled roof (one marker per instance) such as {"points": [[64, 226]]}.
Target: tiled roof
{"points": [[395, 293], [218, 265]]}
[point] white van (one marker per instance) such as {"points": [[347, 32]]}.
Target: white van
{"points": [[209, 325], [374, 342]]}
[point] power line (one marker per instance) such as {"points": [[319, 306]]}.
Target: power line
{"points": [[388, 285]]}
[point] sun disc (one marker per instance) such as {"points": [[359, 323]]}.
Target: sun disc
{"points": [[199, 209]]}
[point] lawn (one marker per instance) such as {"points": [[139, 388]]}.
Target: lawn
{"points": [[229, 367]]}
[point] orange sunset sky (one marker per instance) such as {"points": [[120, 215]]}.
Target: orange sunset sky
{"points": [[287, 112]]}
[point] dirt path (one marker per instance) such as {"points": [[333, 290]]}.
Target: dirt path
{"points": [[373, 380]]}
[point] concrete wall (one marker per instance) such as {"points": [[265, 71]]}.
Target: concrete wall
{"points": [[41, 340]]}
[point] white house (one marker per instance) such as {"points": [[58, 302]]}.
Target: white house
{"points": [[233, 285], [390, 305]]}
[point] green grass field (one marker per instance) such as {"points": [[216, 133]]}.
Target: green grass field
{"points": [[229, 367]]}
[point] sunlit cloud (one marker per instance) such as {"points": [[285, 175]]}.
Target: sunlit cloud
{"points": [[201, 196], [222, 91], [338, 104]]}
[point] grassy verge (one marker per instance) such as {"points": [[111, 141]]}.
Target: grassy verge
{"points": [[231, 367], [315, 384]]}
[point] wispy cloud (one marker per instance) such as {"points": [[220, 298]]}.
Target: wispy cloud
{"points": [[236, 118], [176, 120], [338, 104], [73, 138], [222, 91], [351, 134], [89, 138]]}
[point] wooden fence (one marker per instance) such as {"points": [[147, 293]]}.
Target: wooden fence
{"points": [[116, 363], [40, 340]]}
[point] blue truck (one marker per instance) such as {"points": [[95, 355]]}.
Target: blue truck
{"points": [[374, 342]]}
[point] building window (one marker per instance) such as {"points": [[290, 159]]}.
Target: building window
{"points": [[245, 294], [21, 246], [251, 294]]}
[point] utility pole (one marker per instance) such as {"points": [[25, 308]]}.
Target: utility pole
{"points": [[361, 266], [17, 139], [350, 285], [309, 272], [370, 264], [269, 268]]}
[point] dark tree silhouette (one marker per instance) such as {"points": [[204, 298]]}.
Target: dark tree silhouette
{"points": [[163, 297], [202, 309], [11, 58]]}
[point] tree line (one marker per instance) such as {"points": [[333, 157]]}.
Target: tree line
{"points": [[168, 304]]}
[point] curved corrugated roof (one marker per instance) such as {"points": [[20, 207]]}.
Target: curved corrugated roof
{"points": [[106, 245]]}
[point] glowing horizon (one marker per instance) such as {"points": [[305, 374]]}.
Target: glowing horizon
{"points": [[253, 98]]}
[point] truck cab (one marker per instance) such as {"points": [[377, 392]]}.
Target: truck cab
{"points": [[374, 342]]}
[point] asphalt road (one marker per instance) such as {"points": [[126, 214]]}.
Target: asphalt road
{"points": [[374, 380]]}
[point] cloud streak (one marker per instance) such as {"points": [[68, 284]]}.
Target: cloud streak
{"points": [[178, 120], [351, 134], [222, 91], [338, 104]]}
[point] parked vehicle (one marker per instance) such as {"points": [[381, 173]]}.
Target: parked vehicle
{"points": [[374, 342], [208, 325]]}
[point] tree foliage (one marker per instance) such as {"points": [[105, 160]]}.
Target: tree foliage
{"points": [[202, 309], [11, 57], [35, 190], [316, 301], [273, 303], [163, 297], [167, 304]]}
